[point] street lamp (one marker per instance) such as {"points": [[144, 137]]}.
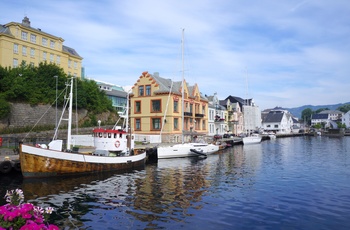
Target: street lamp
{"points": [[56, 99]]}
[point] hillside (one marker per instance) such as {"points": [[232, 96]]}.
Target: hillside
{"points": [[298, 110]]}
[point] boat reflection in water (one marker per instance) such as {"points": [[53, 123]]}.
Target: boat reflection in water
{"points": [[160, 195], [74, 197]]}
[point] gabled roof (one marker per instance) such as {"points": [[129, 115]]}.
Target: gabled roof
{"points": [[273, 117], [323, 116], [330, 112], [165, 86], [235, 99]]}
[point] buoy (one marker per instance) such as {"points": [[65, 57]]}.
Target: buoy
{"points": [[5, 166], [117, 144]]}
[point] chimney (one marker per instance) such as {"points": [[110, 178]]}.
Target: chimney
{"points": [[26, 21]]}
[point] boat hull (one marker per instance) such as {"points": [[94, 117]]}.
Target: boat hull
{"points": [[39, 162], [251, 140], [184, 150]]}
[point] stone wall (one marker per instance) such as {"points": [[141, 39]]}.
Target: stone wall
{"points": [[26, 115]]}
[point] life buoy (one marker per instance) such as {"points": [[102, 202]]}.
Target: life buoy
{"points": [[117, 144], [5, 167]]}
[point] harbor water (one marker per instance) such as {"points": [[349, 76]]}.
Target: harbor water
{"points": [[288, 183]]}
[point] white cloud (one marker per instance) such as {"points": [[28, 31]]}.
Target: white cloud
{"points": [[295, 52]]}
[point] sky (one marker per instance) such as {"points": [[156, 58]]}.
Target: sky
{"points": [[280, 53]]}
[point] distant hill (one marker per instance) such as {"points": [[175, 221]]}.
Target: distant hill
{"points": [[297, 111]]}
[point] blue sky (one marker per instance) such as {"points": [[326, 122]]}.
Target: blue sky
{"points": [[281, 53]]}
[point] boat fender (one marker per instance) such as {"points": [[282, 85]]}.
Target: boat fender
{"points": [[117, 144], [5, 166], [17, 166]]}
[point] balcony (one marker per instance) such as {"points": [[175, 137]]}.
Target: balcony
{"points": [[187, 114], [199, 115]]}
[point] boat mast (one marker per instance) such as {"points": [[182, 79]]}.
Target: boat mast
{"points": [[128, 143], [182, 88], [70, 115]]}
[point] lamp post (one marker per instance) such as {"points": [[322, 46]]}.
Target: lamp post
{"points": [[56, 100]]}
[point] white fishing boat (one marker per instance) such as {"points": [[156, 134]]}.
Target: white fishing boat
{"points": [[53, 160], [192, 149]]}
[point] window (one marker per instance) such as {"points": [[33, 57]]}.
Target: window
{"points": [[176, 106], [69, 63], [33, 38], [75, 65], [148, 90], [58, 59], [15, 48], [137, 124], [203, 109], [44, 42], [51, 57], [276, 126], [15, 62], [156, 123], [24, 36], [203, 125], [32, 52], [176, 123], [44, 56], [137, 106], [52, 44], [155, 106], [141, 90], [24, 50]]}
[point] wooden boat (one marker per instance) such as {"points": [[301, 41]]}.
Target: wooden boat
{"points": [[51, 160]]}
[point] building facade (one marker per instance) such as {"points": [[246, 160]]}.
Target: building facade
{"points": [[217, 117], [346, 119], [251, 116], [115, 93], [278, 121], [156, 108], [21, 43]]}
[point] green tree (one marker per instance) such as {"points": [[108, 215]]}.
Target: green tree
{"points": [[306, 115], [344, 108], [36, 85], [320, 110], [5, 108]]}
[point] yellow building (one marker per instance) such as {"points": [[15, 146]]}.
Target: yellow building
{"points": [[19, 42], [156, 108]]}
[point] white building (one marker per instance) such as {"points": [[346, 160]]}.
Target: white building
{"points": [[334, 115], [251, 116], [346, 119], [278, 121], [217, 122]]}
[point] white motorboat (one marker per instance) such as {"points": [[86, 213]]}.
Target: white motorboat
{"points": [[252, 139]]}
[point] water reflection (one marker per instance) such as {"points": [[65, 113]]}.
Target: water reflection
{"points": [[257, 186]]}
